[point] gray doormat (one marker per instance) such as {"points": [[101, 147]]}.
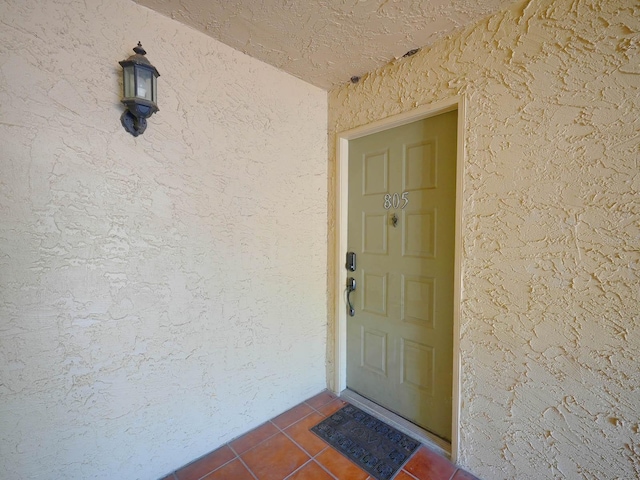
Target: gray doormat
{"points": [[371, 444]]}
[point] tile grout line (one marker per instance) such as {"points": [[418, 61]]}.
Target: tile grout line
{"points": [[239, 458], [323, 405], [406, 462], [248, 469], [299, 468], [259, 443], [408, 473], [332, 448], [323, 467], [293, 423], [312, 458], [225, 463], [286, 434], [232, 449], [312, 408], [318, 411], [297, 444], [280, 430]]}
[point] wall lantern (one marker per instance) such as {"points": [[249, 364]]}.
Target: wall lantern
{"points": [[140, 91]]}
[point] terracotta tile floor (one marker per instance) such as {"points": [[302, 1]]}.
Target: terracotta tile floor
{"points": [[284, 448]]}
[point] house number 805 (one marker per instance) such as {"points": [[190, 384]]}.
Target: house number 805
{"points": [[395, 199]]}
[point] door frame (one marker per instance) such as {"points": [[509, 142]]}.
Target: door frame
{"points": [[341, 214]]}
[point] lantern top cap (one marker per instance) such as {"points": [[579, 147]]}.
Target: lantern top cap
{"points": [[139, 59], [139, 50]]}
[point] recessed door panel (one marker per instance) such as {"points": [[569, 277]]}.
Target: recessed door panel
{"points": [[373, 350], [419, 300], [402, 185], [375, 167], [417, 366], [374, 293], [419, 234], [374, 233], [419, 166]]}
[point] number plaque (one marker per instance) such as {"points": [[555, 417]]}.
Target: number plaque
{"points": [[395, 199]]}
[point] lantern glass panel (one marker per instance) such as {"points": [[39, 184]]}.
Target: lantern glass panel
{"points": [[144, 87], [154, 98], [128, 79]]}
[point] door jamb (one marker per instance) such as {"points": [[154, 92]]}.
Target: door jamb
{"points": [[341, 206]]}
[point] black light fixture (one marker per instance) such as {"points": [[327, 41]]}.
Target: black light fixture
{"points": [[140, 91]]}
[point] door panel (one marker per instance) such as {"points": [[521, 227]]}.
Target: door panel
{"points": [[401, 226]]}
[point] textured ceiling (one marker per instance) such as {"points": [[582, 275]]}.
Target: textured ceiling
{"points": [[326, 42]]}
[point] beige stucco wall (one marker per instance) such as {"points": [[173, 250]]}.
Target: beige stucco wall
{"points": [[550, 330], [159, 295]]}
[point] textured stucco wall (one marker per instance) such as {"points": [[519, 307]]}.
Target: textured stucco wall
{"points": [[158, 295], [550, 323]]}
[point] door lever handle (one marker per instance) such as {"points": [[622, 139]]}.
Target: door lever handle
{"points": [[351, 287]]}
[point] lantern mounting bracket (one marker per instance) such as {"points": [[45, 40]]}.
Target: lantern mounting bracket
{"points": [[132, 124]]}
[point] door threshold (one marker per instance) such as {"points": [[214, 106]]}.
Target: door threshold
{"points": [[405, 426]]}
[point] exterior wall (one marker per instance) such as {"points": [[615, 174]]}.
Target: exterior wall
{"points": [[159, 295], [550, 331]]}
